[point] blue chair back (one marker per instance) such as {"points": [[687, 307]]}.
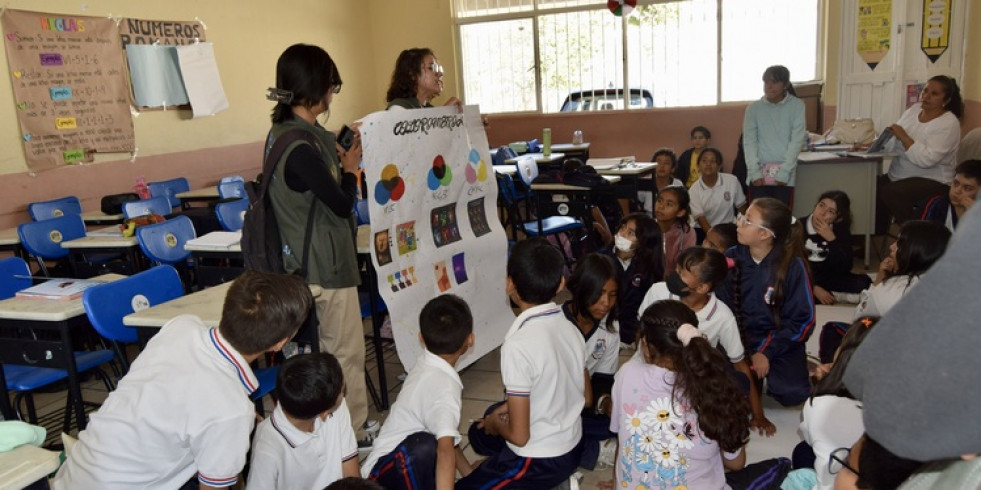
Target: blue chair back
{"points": [[169, 189], [54, 208], [155, 205], [361, 211], [107, 304], [164, 242], [232, 189], [14, 276], [43, 239], [232, 214]]}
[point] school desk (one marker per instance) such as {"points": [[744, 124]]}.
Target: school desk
{"points": [[25, 465], [565, 200]]}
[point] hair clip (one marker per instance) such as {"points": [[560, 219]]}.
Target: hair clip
{"points": [[730, 263], [279, 95], [686, 332]]}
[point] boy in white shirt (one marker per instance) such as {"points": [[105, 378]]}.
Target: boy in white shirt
{"points": [[534, 438], [181, 416], [417, 446], [308, 441]]}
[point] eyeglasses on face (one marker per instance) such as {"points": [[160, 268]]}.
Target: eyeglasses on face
{"points": [[839, 460], [742, 220], [434, 67]]}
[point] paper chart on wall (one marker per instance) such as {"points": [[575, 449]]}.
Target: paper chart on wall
{"points": [[433, 207]]}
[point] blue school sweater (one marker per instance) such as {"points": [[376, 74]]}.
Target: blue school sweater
{"points": [[756, 287]]}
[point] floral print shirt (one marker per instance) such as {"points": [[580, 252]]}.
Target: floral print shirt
{"points": [[661, 446]]}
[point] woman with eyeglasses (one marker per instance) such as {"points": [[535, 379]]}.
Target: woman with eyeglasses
{"points": [[416, 80], [828, 243], [316, 184], [769, 289]]}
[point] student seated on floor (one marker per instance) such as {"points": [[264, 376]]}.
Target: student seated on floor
{"points": [[534, 437], [947, 209], [308, 441], [181, 417], [417, 446]]}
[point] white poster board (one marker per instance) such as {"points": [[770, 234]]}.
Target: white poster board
{"points": [[434, 226]]}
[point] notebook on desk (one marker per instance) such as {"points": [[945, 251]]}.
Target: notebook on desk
{"points": [[877, 146]]}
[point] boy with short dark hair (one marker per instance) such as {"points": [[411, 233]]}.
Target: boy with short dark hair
{"points": [[308, 441], [184, 409], [534, 438], [416, 448], [948, 209]]}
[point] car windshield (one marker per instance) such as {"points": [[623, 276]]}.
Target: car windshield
{"points": [[607, 100]]}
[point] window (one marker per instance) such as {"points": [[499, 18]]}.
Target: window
{"points": [[537, 55]]}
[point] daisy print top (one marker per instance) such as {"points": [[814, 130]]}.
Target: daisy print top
{"points": [[661, 446]]}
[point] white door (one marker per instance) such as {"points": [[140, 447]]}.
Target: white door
{"points": [[880, 93]]}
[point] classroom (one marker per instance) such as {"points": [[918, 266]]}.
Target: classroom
{"points": [[365, 38]]}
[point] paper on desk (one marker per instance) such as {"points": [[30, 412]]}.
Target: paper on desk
{"points": [[815, 156], [217, 239], [608, 163]]}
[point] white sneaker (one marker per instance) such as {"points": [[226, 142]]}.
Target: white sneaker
{"points": [[608, 453]]}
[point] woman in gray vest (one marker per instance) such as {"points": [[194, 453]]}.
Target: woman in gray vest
{"points": [[319, 184]]}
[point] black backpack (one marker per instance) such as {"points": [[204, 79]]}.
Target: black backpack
{"points": [[262, 247]]}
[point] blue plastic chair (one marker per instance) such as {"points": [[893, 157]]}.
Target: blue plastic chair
{"points": [[43, 239], [164, 242], [154, 205], [15, 276], [551, 225], [169, 189], [24, 380], [231, 214], [232, 189], [54, 208], [107, 304], [361, 212]]}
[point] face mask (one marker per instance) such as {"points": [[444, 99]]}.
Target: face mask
{"points": [[622, 244], [676, 285]]}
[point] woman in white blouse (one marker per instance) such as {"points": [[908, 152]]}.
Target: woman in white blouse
{"points": [[925, 143]]}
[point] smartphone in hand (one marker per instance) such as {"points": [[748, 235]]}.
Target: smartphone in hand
{"points": [[346, 138]]}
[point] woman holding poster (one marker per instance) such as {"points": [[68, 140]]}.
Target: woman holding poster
{"points": [[416, 80], [319, 185]]}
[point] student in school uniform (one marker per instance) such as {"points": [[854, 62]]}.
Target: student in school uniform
{"points": [[416, 448], [308, 441], [181, 417], [687, 170], [715, 196], [534, 437], [947, 209]]}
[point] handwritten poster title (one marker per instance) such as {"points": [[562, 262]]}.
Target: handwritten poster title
{"points": [[165, 32]]}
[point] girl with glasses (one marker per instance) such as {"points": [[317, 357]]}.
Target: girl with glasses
{"points": [[416, 80], [828, 243], [769, 289]]}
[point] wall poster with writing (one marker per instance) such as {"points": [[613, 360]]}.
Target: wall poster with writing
{"points": [[70, 86]]}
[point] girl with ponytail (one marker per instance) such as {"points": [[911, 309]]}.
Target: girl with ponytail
{"points": [[680, 418], [769, 289]]}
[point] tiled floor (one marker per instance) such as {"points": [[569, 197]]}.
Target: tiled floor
{"points": [[482, 386]]}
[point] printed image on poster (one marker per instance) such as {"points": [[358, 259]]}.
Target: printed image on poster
{"points": [[443, 221], [383, 248], [430, 178], [478, 217]]}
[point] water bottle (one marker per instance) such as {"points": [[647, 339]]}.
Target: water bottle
{"points": [[577, 137], [547, 142]]}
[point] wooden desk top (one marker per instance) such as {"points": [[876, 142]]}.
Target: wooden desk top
{"points": [[205, 304], [210, 192], [101, 242], [25, 465], [9, 236], [632, 169], [47, 310], [539, 157], [613, 179]]}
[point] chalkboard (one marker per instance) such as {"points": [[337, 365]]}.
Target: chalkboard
{"points": [[70, 86]]}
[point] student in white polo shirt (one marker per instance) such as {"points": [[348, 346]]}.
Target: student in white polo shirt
{"points": [[715, 196], [699, 271], [308, 441], [533, 438], [417, 446], [181, 417]]}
